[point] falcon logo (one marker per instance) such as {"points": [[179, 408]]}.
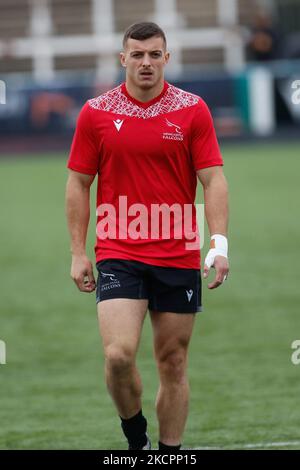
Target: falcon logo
{"points": [[109, 281], [189, 294], [118, 123], [109, 275], [177, 128], [176, 135]]}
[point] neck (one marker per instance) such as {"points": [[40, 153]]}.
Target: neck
{"points": [[144, 95]]}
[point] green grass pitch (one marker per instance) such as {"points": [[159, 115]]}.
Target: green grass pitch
{"points": [[244, 387]]}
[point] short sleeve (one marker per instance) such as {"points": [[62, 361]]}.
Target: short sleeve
{"points": [[84, 154], [204, 145]]}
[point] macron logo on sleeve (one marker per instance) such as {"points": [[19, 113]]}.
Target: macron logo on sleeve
{"points": [[118, 123]]}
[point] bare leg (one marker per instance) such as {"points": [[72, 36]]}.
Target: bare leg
{"points": [[120, 323], [172, 333]]}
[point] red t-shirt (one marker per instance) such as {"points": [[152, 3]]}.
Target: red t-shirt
{"points": [[146, 155]]}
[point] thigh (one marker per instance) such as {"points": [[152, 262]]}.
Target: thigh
{"points": [[171, 332], [121, 322]]}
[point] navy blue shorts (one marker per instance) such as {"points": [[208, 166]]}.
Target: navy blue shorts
{"points": [[175, 290]]}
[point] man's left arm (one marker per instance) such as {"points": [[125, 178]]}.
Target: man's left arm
{"points": [[216, 212]]}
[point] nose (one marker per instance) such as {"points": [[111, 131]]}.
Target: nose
{"points": [[146, 61]]}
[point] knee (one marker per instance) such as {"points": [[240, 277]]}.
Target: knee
{"points": [[119, 359], [172, 366]]}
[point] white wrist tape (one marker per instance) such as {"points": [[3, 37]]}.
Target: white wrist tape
{"points": [[218, 247]]}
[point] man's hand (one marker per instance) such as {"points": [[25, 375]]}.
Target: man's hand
{"points": [[221, 266], [217, 258], [82, 273]]}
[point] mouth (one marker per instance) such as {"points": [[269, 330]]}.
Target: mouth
{"points": [[146, 75]]}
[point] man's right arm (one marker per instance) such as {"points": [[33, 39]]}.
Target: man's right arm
{"points": [[78, 216]]}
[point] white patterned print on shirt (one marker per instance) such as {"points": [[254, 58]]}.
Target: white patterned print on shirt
{"points": [[117, 102]]}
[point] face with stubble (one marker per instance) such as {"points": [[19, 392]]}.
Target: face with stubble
{"points": [[145, 62]]}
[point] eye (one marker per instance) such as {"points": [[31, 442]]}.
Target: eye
{"points": [[156, 55]]}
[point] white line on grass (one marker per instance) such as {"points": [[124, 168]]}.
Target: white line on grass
{"points": [[253, 446]]}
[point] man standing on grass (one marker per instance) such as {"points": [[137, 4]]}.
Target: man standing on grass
{"points": [[148, 141]]}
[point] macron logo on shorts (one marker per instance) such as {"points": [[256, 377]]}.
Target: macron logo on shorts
{"points": [[189, 294]]}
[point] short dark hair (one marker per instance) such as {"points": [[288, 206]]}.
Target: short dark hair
{"points": [[142, 31]]}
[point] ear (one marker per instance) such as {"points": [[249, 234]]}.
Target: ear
{"points": [[167, 57], [122, 59]]}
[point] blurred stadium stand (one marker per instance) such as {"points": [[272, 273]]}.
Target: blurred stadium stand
{"points": [[54, 54]]}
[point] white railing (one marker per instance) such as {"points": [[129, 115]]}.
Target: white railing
{"points": [[43, 46]]}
